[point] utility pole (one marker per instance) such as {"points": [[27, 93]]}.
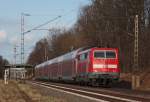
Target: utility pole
{"points": [[22, 36], [136, 64], [35, 28], [15, 54], [45, 53], [135, 76]]}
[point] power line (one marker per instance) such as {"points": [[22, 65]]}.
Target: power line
{"points": [[58, 17], [43, 24]]}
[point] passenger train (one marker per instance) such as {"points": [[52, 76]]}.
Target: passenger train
{"points": [[93, 66]]}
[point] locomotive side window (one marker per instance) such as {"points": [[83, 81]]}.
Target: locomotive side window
{"points": [[99, 54], [110, 54], [83, 56]]}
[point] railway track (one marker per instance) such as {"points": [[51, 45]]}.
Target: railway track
{"points": [[94, 94]]}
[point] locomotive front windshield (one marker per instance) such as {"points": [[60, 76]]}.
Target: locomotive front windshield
{"points": [[99, 54], [104, 54], [110, 54]]}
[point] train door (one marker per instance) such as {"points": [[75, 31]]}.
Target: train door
{"points": [[59, 70], [83, 64], [72, 68]]}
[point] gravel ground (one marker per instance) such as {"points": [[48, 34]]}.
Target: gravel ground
{"points": [[35, 93], [61, 96]]}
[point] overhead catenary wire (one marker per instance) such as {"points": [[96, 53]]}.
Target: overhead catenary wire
{"points": [[39, 26], [43, 24]]}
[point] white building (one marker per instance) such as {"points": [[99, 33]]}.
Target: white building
{"points": [[17, 73]]}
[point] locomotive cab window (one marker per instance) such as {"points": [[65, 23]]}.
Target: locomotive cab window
{"points": [[83, 56], [104, 54], [99, 54], [110, 54]]}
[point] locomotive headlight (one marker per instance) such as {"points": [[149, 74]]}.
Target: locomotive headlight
{"points": [[104, 66], [112, 66], [98, 66], [95, 71]]}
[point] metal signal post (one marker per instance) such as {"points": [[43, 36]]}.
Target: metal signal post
{"points": [[135, 76], [22, 36], [136, 64], [15, 50]]}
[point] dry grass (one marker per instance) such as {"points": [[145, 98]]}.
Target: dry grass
{"points": [[17, 92], [144, 77], [10, 93], [126, 76], [36, 96], [145, 81]]}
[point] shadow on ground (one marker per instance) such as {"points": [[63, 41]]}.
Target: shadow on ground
{"points": [[123, 85]]}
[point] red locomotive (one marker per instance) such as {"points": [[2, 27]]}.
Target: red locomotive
{"points": [[93, 66]]}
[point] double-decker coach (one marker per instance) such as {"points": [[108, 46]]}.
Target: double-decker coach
{"points": [[89, 66], [61, 68]]}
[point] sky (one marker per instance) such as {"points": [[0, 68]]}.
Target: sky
{"points": [[40, 11]]}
